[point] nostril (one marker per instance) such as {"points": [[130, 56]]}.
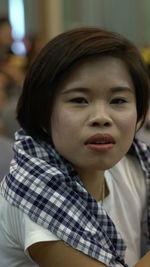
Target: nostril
{"points": [[107, 124], [95, 124], [98, 124]]}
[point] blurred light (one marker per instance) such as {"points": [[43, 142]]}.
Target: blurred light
{"points": [[18, 47], [16, 15], [17, 20]]}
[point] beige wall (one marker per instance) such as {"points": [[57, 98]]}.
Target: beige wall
{"points": [[51, 17], [3, 7], [128, 17]]}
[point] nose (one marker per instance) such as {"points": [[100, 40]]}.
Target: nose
{"points": [[100, 116]]}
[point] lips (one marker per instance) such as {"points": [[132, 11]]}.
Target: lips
{"points": [[100, 139], [100, 143]]}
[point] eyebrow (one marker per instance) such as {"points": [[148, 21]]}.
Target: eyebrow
{"points": [[117, 89], [122, 89], [76, 89]]}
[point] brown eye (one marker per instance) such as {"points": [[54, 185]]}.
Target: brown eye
{"points": [[79, 100], [118, 101]]}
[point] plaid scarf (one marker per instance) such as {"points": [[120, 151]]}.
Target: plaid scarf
{"points": [[45, 186]]}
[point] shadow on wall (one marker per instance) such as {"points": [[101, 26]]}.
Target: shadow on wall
{"points": [[5, 155], [9, 122]]}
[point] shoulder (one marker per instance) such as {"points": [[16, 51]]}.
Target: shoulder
{"points": [[21, 227], [142, 152], [132, 176]]}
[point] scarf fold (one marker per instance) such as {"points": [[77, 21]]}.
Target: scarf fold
{"points": [[44, 185]]}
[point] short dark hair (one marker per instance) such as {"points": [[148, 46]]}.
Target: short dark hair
{"points": [[36, 100]]}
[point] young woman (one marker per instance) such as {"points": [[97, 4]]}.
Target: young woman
{"points": [[77, 192]]}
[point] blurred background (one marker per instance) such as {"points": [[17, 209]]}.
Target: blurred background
{"points": [[26, 25]]}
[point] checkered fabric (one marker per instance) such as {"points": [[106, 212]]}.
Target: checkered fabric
{"points": [[143, 154], [45, 186]]}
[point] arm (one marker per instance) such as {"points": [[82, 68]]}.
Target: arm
{"points": [[144, 262], [58, 254]]}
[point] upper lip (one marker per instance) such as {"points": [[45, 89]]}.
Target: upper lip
{"points": [[107, 138]]}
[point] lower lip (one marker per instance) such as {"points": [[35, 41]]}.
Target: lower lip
{"points": [[100, 147]]}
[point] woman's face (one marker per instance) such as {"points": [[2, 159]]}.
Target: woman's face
{"points": [[94, 115]]}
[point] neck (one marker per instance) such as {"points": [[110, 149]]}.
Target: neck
{"points": [[93, 182]]}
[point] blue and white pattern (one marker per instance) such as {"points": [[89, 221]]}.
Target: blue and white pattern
{"points": [[45, 186]]}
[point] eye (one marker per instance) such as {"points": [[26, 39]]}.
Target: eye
{"points": [[79, 100], [118, 101]]}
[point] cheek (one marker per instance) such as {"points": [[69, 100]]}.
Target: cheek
{"points": [[129, 123], [61, 124]]}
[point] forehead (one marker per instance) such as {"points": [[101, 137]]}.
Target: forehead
{"points": [[101, 70]]}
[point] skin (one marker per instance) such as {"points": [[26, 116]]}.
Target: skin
{"points": [[46, 255], [98, 96], [107, 104]]}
